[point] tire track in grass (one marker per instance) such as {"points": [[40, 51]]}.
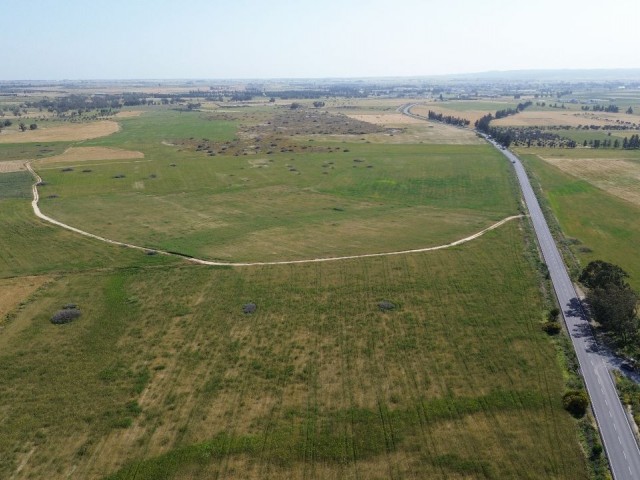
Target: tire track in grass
{"points": [[200, 261]]}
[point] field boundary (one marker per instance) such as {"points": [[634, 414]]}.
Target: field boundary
{"points": [[39, 214]]}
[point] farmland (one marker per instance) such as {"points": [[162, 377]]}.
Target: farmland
{"points": [[593, 205], [164, 376]]}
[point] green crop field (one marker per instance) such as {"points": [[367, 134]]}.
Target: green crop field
{"points": [[164, 376], [604, 224]]}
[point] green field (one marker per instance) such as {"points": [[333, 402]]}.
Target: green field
{"points": [[351, 198], [458, 381], [602, 223], [164, 376]]}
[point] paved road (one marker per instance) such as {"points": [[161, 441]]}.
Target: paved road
{"points": [[595, 363]]}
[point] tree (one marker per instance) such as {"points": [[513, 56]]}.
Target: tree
{"points": [[600, 274], [318, 104], [576, 402], [22, 127], [629, 110], [33, 126], [614, 307]]}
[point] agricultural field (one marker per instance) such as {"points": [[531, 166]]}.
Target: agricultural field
{"points": [[593, 194], [422, 365], [268, 194]]}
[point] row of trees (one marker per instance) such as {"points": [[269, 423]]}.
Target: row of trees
{"points": [[612, 301], [512, 111], [449, 119], [603, 108]]}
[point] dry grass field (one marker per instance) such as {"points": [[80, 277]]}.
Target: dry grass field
{"points": [[62, 133], [569, 118], [386, 119], [14, 291], [618, 176], [84, 154], [12, 166]]}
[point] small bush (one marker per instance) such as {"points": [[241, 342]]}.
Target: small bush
{"points": [[66, 315], [120, 175], [576, 402], [553, 313], [386, 305], [552, 328], [67, 169], [249, 308]]}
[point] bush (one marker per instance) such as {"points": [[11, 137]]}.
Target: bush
{"points": [[386, 305], [553, 314], [552, 328], [66, 315], [576, 402]]}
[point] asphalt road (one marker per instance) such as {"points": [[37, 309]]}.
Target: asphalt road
{"points": [[595, 362], [615, 428]]}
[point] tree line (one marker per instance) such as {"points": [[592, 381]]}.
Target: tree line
{"points": [[449, 119], [512, 111], [602, 108]]}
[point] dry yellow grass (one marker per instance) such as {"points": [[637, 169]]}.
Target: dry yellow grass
{"points": [[386, 119], [12, 292], [12, 166], [618, 176], [84, 154], [562, 117], [62, 133]]}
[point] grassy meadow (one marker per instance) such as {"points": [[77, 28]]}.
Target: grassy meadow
{"points": [[340, 198], [600, 221], [164, 376]]}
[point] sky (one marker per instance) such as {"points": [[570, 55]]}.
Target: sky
{"points": [[238, 39]]}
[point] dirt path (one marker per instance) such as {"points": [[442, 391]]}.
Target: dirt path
{"points": [[39, 214]]}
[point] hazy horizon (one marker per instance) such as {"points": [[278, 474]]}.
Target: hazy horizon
{"points": [[250, 39]]}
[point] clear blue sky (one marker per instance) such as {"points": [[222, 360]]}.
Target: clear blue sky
{"points": [[96, 39]]}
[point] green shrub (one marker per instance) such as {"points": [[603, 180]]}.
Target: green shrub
{"points": [[552, 328], [576, 402]]}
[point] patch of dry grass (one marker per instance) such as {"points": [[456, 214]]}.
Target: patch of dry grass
{"points": [[62, 133], [12, 166], [617, 176], [84, 154], [13, 291], [570, 118], [385, 119]]}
